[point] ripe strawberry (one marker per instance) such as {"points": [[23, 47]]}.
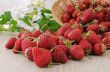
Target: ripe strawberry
{"points": [[36, 33], [88, 15], [17, 47], [26, 43], [48, 31], [75, 14], [11, 42], [72, 21], [86, 2], [99, 49], [75, 35], [28, 54], [86, 45], [81, 6], [45, 41], [66, 32], [104, 26], [65, 17], [100, 16], [70, 8], [59, 56], [77, 52], [41, 56], [63, 47], [106, 34], [93, 38], [107, 41], [62, 30], [54, 39], [19, 34], [107, 17], [26, 34], [93, 27]]}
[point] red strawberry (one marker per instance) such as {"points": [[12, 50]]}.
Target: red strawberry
{"points": [[77, 52], [86, 45], [28, 53], [19, 34], [65, 17], [11, 42], [99, 49], [59, 56], [75, 14], [63, 47], [93, 38], [70, 8], [100, 16], [104, 26], [72, 21], [86, 2], [26, 34], [36, 33], [66, 33], [93, 27], [107, 41], [17, 47], [74, 35], [41, 56], [45, 41], [48, 31], [107, 16], [62, 30], [54, 39], [82, 7], [106, 34], [26, 43], [88, 15]]}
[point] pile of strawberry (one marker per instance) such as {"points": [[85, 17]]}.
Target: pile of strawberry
{"points": [[85, 32]]}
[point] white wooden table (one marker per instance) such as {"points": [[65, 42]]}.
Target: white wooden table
{"points": [[10, 62]]}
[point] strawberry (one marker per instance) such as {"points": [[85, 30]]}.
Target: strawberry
{"points": [[28, 54], [19, 34], [88, 15], [41, 56], [86, 2], [72, 21], [104, 26], [65, 17], [93, 38], [86, 45], [28, 42], [59, 56], [107, 41], [107, 16], [81, 6], [63, 47], [100, 16], [36, 33], [62, 30], [26, 34], [66, 32], [75, 14], [70, 8], [60, 42], [77, 52], [10, 43], [99, 49], [93, 27], [74, 35], [48, 31], [106, 34], [54, 39], [45, 41], [17, 47]]}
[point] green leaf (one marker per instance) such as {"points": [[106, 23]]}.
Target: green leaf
{"points": [[7, 15], [44, 10], [41, 22], [26, 20], [3, 20]]}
